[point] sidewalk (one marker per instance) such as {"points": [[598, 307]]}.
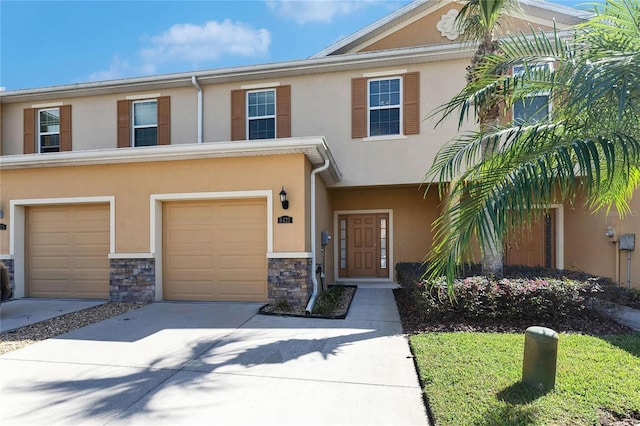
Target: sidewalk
{"points": [[22, 312], [220, 363]]}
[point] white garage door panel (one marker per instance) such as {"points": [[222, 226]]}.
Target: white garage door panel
{"points": [[215, 250], [67, 251]]}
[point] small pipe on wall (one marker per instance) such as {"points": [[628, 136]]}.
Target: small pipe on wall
{"points": [[194, 81]]}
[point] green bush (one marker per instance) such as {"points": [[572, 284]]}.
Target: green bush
{"points": [[328, 300], [479, 298]]}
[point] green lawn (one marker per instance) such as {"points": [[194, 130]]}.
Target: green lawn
{"points": [[474, 379]]}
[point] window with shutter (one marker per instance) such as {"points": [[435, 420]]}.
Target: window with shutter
{"points": [[144, 122], [385, 106], [261, 114], [47, 129]]}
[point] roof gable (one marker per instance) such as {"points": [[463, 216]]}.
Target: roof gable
{"points": [[428, 22]]}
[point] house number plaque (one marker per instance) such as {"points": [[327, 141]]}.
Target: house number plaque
{"points": [[285, 219]]}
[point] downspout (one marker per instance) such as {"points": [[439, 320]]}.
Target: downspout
{"points": [[314, 280], [194, 81]]}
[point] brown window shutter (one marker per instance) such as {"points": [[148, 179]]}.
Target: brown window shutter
{"points": [[29, 133], [411, 103], [283, 115], [65, 128], [164, 120], [238, 115], [124, 127], [359, 108]]}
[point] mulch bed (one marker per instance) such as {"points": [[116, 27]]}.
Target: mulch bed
{"points": [[340, 312]]}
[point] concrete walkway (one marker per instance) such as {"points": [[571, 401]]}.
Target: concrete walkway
{"points": [[622, 314], [219, 363]]}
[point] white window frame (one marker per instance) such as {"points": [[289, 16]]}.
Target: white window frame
{"points": [[400, 106], [144, 126], [41, 133], [262, 117], [546, 93]]}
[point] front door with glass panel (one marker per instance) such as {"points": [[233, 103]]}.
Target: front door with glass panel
{"points": [[363, 245], [533, 246]]}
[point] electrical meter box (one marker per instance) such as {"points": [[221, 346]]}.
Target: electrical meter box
{"points": [[628, 242], [325, 238]]}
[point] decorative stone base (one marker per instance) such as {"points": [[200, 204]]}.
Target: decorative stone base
{"points": [[289, 279], [8, 264], [132, 280]]}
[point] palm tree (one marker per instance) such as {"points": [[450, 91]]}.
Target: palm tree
{"points": [[587, 150], [478, 20]]}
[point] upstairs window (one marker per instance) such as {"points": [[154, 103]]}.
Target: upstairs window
{"points": [[385, 107], [534, 107], [385, 99], [145, 123], [261, 114], [49, 130]]}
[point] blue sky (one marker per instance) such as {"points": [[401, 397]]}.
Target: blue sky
{"points": [[46, 43]]}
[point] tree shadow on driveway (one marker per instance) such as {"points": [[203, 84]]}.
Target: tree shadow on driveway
{"points": [[241, 352]]}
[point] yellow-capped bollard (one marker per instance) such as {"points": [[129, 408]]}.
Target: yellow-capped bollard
{"points": [[540, 358]]}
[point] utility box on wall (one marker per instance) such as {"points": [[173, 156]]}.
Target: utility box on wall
{"points": [[627, 242]]}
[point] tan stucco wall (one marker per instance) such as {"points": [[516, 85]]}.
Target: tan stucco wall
{"points": [[94, 120], [423, 31], [133, 184], [413, 215], [588, 249], [324, 222], [320, 106]]}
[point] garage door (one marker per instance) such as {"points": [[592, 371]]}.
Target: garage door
{"points": [[215, 250], [67, 251]]}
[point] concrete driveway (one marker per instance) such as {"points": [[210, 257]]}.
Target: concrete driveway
{"points": [[219, 363]]}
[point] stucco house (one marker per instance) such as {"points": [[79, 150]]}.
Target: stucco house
{"points": [[169, 187]]}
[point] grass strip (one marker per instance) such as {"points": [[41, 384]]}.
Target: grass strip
{"points": [[474, 379]]}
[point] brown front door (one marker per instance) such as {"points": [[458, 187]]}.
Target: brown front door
{"points": [[364, 245], [535, 246]]}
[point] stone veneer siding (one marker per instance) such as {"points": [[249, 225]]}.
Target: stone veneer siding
{"points": [[289, 279], [132, 280], [8, 264]]}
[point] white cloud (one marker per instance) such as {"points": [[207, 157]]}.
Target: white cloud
{"points": [[304, 11], [188, 46], [208, 42], [118, 68]]}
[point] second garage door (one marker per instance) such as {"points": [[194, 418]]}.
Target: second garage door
{"points": [[215, 250]]}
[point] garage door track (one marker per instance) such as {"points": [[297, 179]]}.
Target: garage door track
{"points": [[219, 363]]}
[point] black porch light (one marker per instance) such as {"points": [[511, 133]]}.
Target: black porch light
{"points": [[283, 199]]}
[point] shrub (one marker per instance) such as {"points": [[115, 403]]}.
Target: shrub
{"points": [[552, 295], [508, 299], [328, 300]]}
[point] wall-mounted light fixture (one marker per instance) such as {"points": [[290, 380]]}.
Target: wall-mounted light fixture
{"points": [[283, 199]]}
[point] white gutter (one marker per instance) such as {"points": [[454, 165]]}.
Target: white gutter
{"points": [[194, 81], [314, 280]]}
